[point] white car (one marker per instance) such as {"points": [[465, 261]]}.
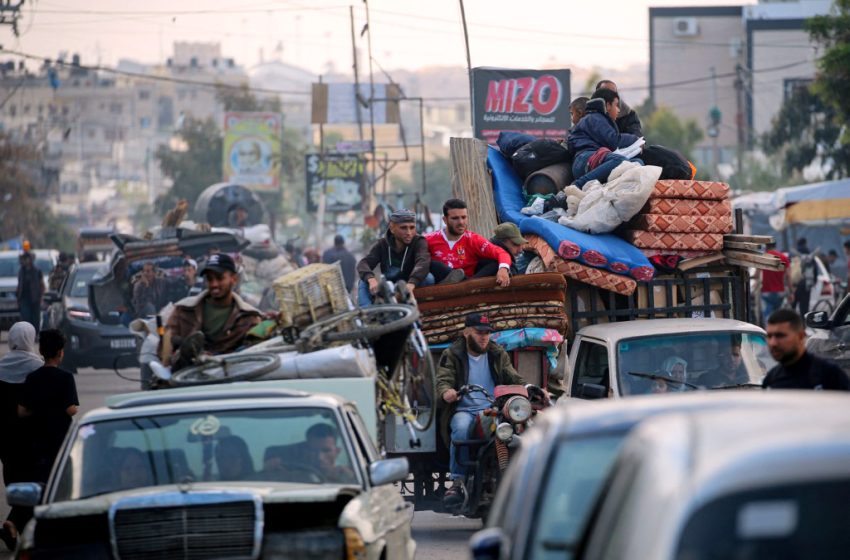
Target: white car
{"points": [[45, 260], [239, 471], [758, 484]]}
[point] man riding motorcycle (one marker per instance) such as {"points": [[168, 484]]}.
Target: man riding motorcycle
{"points": [[216, 320], [471, 360]]}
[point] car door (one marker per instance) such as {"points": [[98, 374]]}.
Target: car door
{"points": [[590, 370], [389, 513]]}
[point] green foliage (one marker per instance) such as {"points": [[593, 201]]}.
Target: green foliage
{"points": [[23, 211], [833, 81], [662, 126], [241, 99], [191, 169], [806, 129], [761, 175]]}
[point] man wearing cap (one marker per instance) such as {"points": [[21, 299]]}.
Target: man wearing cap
{"points": [[471, 360], [401, 254], [508, 237], [214, 321], [339, 253], [455, 248]]}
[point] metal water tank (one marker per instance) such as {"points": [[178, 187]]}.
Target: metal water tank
{"points": [[219, 205]]}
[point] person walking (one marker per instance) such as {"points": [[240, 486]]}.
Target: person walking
{"points": [[798, 368], [30, 290], [22, 359], [339, 253], [774, 284]]}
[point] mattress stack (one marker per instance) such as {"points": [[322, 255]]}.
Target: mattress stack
{"points": [[682, 217], [533, 300]]}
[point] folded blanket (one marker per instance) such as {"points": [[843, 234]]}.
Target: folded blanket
{"points": [[684, 253], [689, 241], [682, 188], [683, 224], [687, 207]]}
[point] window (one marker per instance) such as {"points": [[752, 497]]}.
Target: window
{"points": [[115, 108], [591, 365], [81, 280], [144, 94], [805, 521], [300, 445], [572, 485]]}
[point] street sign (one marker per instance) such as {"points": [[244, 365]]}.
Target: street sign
{"points": [[339, 176], [251, 151], [354, 146]]}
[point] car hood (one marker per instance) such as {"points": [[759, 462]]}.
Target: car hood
{"points": [[8, 282], [270, 493]]}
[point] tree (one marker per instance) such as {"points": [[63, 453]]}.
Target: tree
{"points": [[22, 211], [833, 81], [662, 126], [194, 166], [808, 129]]}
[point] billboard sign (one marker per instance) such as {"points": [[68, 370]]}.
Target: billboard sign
{"points": [[535, 102], [340, 177], [252, 150]]}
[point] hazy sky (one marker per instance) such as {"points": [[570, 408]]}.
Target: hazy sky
{"points": [[406, 33]]}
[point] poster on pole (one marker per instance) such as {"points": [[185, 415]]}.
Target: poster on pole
{"points": [[252, 150], [339, 176], [535, 102]]}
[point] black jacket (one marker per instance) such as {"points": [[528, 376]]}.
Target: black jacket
{"points": [[628, 121], [809, 372], [415, 259]]}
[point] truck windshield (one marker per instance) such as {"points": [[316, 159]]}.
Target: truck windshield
{"points": [[690, 361], [294, 445]]}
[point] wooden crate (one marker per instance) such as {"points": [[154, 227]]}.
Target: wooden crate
{"points": [[310, 293]]}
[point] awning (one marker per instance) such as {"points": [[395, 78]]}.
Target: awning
{"points": [[819, 211]]}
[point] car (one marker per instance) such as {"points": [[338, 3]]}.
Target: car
{"points": [[745, 483], [831, 334], [219, 471], [90, 342], [552, 484], [614, 360], [45, 260], [823, 294]]}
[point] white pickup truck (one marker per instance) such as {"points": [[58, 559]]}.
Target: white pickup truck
{"points": [[636, 357]]}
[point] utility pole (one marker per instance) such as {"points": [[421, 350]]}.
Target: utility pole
{"points": [[739, 118], [468, 61], [9, 14], [357, 96]]}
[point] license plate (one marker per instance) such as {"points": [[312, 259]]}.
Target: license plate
{"points": [[122, 343]]}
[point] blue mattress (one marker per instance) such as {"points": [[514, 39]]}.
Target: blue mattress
{"points": [[602, 251]]}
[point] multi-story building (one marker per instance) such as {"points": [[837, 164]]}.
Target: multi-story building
{"points": [[743, 60]]}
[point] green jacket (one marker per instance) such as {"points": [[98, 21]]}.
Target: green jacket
{"points": [[453, 373]]}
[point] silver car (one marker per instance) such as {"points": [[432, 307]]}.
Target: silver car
{"points": [[766, 483], [252, 472]]}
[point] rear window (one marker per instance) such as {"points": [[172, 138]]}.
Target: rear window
{"points": [[803, 522]]}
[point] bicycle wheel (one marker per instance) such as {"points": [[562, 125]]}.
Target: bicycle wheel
{"points": [[232, 368], [368, 323], [419, 387]]}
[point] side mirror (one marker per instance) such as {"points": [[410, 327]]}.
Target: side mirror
{"points": [[487, 544], [817, 319], [51, 297], [388, 471], [24, 494], [591, 391]]}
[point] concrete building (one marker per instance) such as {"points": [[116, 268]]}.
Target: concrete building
{"points": [[745, 60]]}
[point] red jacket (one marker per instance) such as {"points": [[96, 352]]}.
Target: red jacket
{"points": [[467, 251]]}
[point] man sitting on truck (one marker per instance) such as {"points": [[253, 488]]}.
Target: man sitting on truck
{"points": [[214, 321], [457, 253], [149, 292], [471, 360], [507, 237], [401, 254]]}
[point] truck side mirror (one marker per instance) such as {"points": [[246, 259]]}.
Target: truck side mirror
{"points": [[51, 297], [817, 319], [591, 391]]}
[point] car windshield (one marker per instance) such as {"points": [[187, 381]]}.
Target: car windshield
{"points": [[298, 445], [572, 486], [690, 361], [80, 281], [805, 521]]}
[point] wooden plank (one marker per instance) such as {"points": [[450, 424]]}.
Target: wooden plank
{"points": [[749, 264], [768, 262], [761, 239], [696, 262], [743, 246], [471, 182]]}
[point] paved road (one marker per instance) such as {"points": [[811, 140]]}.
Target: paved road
{"points": [[439, 536]]}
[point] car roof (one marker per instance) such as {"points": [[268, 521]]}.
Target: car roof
{"points": [[92, 265], [649, 327], [573, 417], [728, 451], [223, 396]]}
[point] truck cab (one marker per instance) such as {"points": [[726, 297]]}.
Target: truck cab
{"points": [[617, 360]]}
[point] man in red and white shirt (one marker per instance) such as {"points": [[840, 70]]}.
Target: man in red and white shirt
{"points": [[774, 284], [453, 248]]}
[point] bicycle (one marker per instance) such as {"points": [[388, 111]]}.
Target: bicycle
{"points": [[411, 384]]}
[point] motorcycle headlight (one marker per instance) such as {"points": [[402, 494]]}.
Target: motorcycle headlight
{"points": [[505, 432], [517, 409]]}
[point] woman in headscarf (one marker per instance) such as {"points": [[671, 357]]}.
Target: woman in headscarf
{"points": [[21, 360], [676, 369]]}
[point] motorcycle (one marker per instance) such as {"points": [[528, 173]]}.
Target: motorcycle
{"points": [[495, 434]]}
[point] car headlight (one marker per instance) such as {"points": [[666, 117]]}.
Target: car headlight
{"points": [[505, 431], [79, 314], [517, 409]]}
